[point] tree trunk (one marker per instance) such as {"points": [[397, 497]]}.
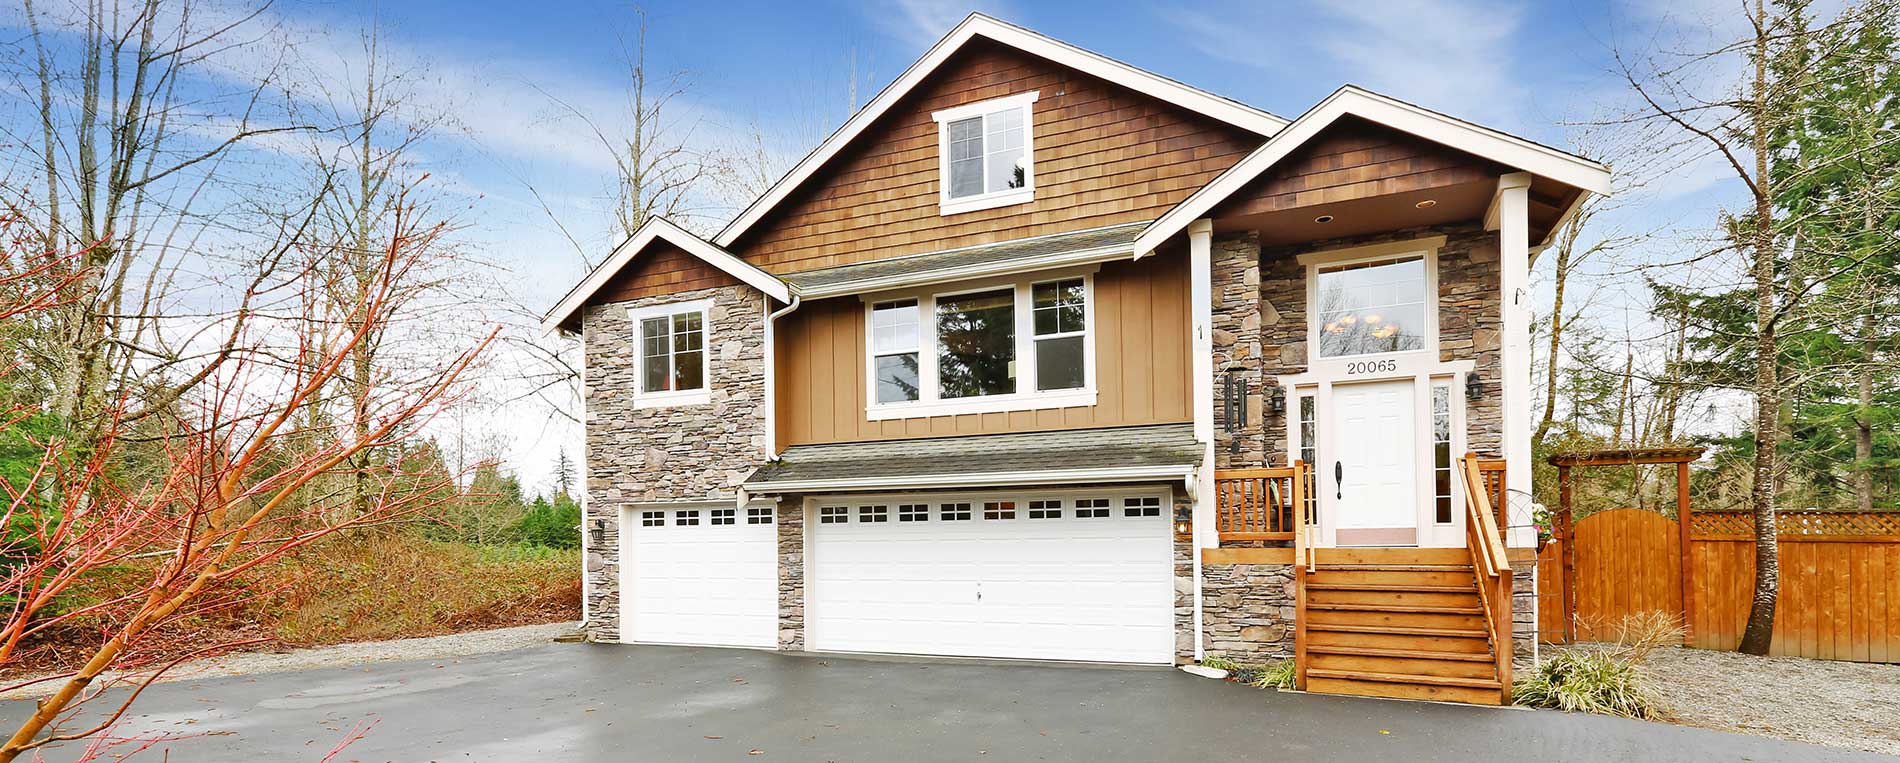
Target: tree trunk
{"points": [[1759, 633], [1556, 344]]}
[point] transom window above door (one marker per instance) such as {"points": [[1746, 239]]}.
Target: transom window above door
{"points": [[984, 152], [673, 365], [1366, 308], [1017, 346]]}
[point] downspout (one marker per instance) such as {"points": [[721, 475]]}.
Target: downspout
{"points": [[771, 373], [587, 614]]}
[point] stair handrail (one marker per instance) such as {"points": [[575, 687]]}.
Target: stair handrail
{"points": [[1492, 566]]}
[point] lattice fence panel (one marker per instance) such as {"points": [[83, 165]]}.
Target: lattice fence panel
{"points": [[1794, 523]]}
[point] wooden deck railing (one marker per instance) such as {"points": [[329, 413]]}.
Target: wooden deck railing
{"points": [[1492, 470], [1489, 563], [1257, 504]]}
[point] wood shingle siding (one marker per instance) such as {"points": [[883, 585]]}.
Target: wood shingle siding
{"points": [[1103, 155], [663, 269], [1357, 160], [1142, 367]]}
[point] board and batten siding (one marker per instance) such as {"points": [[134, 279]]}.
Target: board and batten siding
{"points": [[1141, 355], [1104, 155]]}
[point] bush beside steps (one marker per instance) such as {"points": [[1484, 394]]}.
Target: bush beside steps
{"points": [[1273, 675]]}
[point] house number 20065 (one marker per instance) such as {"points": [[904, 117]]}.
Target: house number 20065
{"points": [[1372, 366]]}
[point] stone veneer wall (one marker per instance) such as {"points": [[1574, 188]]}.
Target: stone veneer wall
{"points": [[1183, 583], [1237, 318], [1469, 321], [1247, 611], [791, 575], [1523, 607], [680, 452]]}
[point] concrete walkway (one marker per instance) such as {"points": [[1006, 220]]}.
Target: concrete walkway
{"points": [[594, 702]]}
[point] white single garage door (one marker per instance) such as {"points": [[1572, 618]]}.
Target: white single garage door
{"points": [[701, 576], [1054, 576]]}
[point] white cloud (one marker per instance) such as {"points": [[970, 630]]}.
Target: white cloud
{"points": [[923, 22]]}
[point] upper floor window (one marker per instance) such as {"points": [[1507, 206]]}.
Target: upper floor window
{"points": [[673, 368], [985, 154], [1371, 307], [968, 351]]}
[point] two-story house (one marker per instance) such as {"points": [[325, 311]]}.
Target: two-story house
{"points": [[1044, 356]]}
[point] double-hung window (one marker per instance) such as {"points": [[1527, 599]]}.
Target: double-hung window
{"points": [[986, 154], [672, 364], [1018, 346]]}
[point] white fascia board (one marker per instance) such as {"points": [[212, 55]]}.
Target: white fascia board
{"points": [[968, 272], [1457, 134], [661, 228], [1194, 99], [977, 480]]}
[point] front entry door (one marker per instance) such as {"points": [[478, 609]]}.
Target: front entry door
{"points": [[1374, 473]]}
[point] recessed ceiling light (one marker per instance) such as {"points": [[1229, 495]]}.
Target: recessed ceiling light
{"points": [[1323, 219], [1427, 204]]}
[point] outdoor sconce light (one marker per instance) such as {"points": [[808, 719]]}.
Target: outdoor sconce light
{"points": [[1183, 520], [1276, 400], [1474, 388]]}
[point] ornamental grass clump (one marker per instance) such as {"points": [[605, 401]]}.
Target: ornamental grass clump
{"points": [[1279, 675], [1588, 682]]}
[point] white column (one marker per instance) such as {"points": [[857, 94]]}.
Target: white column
{"points": [[1201, 297], [1512, 208]]}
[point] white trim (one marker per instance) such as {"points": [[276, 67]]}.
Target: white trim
{"points": [[1021, 102], [642, 398], [1017, 266], [1188, 97], [1505, 149], [661, 228], [980, 479], [1340, 365], [1026, 397], [1201, 348], [1512, 203]]}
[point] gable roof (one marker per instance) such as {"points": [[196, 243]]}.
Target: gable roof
{"points": [[565, 311], [1351, 100], [976, 25]]}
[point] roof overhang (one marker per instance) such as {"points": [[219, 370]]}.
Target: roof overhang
{"points": [[1163, 472], [978, 25], [1025, 255], [568, 309], [1511, 151]]}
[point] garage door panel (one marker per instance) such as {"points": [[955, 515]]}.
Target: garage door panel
{"points": [[1071, 587], [700, 584]]}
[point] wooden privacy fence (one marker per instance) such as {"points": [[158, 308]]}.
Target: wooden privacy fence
{"points": [[1840, 579]]}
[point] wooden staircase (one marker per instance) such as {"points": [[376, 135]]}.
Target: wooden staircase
{"points": [[1406, 623]]}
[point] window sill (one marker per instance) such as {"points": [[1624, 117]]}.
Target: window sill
{"points": [[947, 206], [1070, 398], [672, 399]]}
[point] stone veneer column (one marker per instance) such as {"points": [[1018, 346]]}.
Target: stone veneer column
{"points": [[658, 454], [791, 575], [1236, 321], [1184, 552]]}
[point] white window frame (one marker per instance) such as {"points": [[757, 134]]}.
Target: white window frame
{"points": [[670, 398], [988, 199], [1026, 397], [1424, 248]]}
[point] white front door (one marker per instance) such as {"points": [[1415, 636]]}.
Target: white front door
{"points": [[1374, 472], [1068, 575]]}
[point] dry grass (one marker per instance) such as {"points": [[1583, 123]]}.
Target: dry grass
{"points": [[378, 588]]}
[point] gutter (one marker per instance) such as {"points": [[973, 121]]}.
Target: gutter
{"points": [[1184, 472], [771, 372]]}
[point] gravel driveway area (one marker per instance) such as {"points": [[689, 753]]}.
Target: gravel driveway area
{"points": [[1850, 705], [342, 655]]}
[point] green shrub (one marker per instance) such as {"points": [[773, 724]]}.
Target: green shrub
{"points": [[1586, 682], [1279, 675], [555, 525], [1220, 663]]}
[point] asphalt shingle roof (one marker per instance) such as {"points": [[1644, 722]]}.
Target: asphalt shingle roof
{"points": [[922, 264], [1154, 445]]}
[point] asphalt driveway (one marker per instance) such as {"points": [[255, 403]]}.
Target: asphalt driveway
{"points": [[594, 702]]}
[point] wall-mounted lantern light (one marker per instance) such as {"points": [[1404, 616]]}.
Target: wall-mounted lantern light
{"points": [[1276, 399], [1474, 388], [1183, 520]]}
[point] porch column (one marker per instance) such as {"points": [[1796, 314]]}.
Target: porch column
{"points": [[1201, 297], [1512, 214]]}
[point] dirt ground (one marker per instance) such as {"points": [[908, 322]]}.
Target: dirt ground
{"points": [[1850, 705]]}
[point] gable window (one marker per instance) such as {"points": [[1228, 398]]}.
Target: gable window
{"points": [[984, 154], [673, 368], [1011, 346], [1372, 307]]}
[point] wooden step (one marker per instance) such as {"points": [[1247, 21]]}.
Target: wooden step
{"points": [[1467, 695], [1456, 599], [1399, 630], [1356, 664], [1394, 587], [1410, 654], [1433, 610], [1395, 567], [1326, 556], [1319, 637], [1394, 577], [1399, 678], [1397, 619]]}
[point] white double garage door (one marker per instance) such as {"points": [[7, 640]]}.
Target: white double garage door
{"points": [[1055, 575]]}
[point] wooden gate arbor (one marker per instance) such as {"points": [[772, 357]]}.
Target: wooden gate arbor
{"points": [[1628, 542]]}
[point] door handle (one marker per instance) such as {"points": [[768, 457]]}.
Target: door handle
{"points": [[1339, 481]]}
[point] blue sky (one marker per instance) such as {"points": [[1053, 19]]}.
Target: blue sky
{"points": [[785, 69]]}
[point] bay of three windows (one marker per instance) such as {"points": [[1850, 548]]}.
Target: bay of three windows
{"points": [[972, 338]]}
